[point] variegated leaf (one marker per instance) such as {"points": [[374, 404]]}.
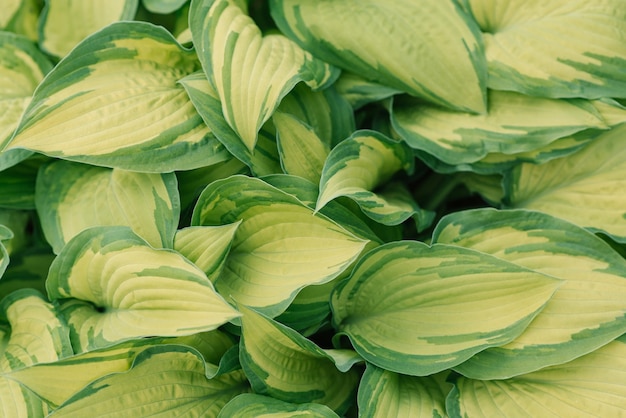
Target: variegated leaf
{"points": [[251, 405], [21, 17]]}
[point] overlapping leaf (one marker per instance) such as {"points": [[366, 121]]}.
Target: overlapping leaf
{"points": [[591, 386], [531, 46], [114, 101], [418, 310], [280, 247], [163, 6], [441, 59], [72, 197], [250, 72], [21, 17], [250, 405], [585, 188], [283, 364], [121, 288]]}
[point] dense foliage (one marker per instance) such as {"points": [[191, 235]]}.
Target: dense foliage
{"points": [[232, 208]]}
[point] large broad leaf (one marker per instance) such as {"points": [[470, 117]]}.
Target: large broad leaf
{"points": [[440, 59], [514, 123], [385, 394], [283, 364], [264, 160], [114, 101], [72, 197], [250, 72], [121, 288], [21, 16], [163, 381], [586, 188], [418, 310], [590, 386], [280, 247], [586, 312], [565, 48], [250, 405]]}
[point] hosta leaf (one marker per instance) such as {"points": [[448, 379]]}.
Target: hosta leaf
{"points": [[387, 394], [590, 386], [27, 269], [251, 405], [163, 6], [359, 91], [281, 363], [361, 163], [87, 108], [163, 381], [586, 312], [22, 67], [514, 123], [206, 246], [418, 310], [21, 17], [441, 59], [17, 184], [57, 37], [72, 197], [585, 188], [264, 160], [18, 402], [280, 246], [233, 52], [121, 288], [302, 152], [532, 48]]}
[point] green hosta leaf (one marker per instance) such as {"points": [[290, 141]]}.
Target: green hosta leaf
{"points": [[532, 48], [418, 310], [359, 91], [21, 17], [206, 246], [586, 312], [87, 108], [264, 160], [72, 197], [283, 364], [57, 37], [441, 59], [590, 386], [234, 51], [302, 152], [361, 163], [17, 184], [250, 405], [22, 67], [27, 269], [280, 247], [387, 394], [489, 187], [585, 188], [163, 381], [121, 288], [163, 6], [514, 123]]}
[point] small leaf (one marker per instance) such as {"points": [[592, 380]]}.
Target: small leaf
{"points": [[250, 405], [163, 6], [72, 197], [281, 363], [418, 310], [359, 91], [121, 288]]}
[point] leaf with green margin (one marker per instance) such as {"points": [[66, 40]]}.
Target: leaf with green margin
{"points": [[22, 67], [590, 386], [163, 6], [361, 163], [418, 310], [56, 382], [441, 59], [206, 246], [531, 46], [57, 37], [514, 123], [121, 288], [283, 364], [21, 17], [280, 247], [387, 394], [233, 51], [586, 312], [302, 152], [585, 188], [86, 108], [359, 91], [72, 197], [264, 160], [489, 187], [251, 405], [163, 380]]}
